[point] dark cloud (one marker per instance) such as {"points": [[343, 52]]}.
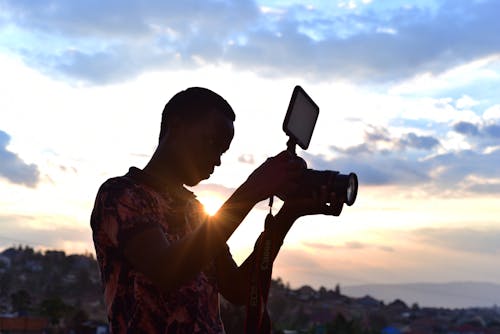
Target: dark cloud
{"points": [[457, 166], [379, 161], [131, 18], [412, 140], [493, 130], [378, 139], [422, 43], [374, 169], [14, 168], [481, 130], [375, 134], [466, 128], [109, 41]]}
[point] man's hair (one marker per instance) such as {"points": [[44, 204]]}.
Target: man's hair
{"points": [[191, 104]]}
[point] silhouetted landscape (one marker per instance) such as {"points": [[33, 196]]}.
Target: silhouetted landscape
{"points": [[53, 292]]}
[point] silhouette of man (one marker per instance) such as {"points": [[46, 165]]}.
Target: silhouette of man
{"points": [[163, 261]]}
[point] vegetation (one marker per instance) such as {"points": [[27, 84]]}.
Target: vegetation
{"points": [[66, 290]]}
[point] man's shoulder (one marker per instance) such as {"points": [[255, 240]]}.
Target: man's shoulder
{"points": [[125, 186], [117, 184], [123, 194]]}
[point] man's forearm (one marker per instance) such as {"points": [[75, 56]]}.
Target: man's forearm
{"points": [[210, 238], [277, 232]]}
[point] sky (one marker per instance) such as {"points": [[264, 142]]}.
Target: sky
{"points": [[409, 100]]}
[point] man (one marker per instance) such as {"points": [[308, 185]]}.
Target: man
{"points": [[163, 261]]}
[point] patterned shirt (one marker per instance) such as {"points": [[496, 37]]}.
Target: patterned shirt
{"points": [[124, 207]]}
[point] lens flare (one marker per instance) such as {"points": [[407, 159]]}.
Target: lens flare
{"points": [[211, 202]]}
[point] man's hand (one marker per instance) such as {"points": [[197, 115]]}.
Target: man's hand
{"points": [[277, 175]]}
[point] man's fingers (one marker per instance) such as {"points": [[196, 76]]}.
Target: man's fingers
{"points": [[336, 204]]}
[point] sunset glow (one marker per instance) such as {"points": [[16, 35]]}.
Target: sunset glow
{"points": [[211, 202], [414, 112]]}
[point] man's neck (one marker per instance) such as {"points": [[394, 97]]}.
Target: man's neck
{"points": [[163, 174]]}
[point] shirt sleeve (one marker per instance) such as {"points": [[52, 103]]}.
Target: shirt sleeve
{"points": [[122, 210]]}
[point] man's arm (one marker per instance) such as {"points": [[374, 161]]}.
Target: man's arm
{"points": [[168, 265], [234, 281]]}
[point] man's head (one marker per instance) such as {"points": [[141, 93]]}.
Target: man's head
{"points": [[196, 128], [192, 104]]}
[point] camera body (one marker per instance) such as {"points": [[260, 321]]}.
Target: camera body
{"points": [[299, 124]]}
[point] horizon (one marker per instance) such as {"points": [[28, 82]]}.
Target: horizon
{"points": [[408, 96], [449, 295]]}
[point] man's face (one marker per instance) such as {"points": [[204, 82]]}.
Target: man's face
{"points": [[203, 144]]}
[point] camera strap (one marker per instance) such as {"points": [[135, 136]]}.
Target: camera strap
{"points": [[257, 320]]}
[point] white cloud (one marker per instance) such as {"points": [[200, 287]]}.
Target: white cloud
{"points": [[466, 102], [492, 113], [87, 45]]}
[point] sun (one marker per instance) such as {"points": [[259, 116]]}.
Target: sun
{"points": [[211, 202]]}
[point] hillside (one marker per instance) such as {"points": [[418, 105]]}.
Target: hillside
{"points": [[66, 290]]}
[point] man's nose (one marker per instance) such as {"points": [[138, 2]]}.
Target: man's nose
{"points": [[217, 160]]}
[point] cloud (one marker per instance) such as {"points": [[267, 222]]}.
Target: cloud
{"points": [[14, 168], [108, 42], [223, 191], [481, 136], [473, 240], [41, 232], [246, 159], [349, 245], [456, 167], [379, 139], [466, 128], [379, 161], [490, 129], [493, 130], [412, 140]]}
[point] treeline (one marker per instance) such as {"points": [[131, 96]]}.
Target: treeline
{"points": [[63, 288]]}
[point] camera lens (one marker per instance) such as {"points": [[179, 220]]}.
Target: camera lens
{"points": [[345, 186], [352, 189]]}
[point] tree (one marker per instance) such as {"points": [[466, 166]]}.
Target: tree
{"points": [[6, 280], [54, 308], [20, 301], [343, 326], [323, 293], [77, 318]]}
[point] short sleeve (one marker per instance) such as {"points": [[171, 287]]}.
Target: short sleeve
{"points": [[123, 209]]}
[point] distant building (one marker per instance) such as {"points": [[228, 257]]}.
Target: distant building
{"points": [[4, 263], [368, 301], [306, 293]]}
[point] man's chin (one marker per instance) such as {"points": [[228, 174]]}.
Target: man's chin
{"points": [[192, 183], [196, 180]]}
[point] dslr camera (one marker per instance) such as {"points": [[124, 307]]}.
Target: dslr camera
{"points": [[299, 125]]}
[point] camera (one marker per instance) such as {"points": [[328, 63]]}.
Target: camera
{"points": [[298, 125]]}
